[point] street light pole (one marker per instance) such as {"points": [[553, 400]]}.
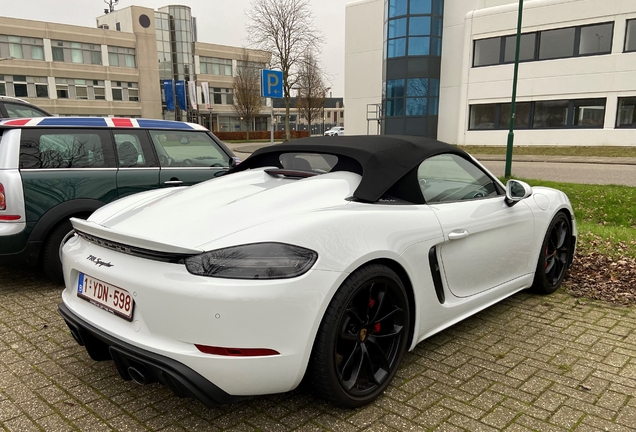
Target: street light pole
{"points": [[513, 105]]}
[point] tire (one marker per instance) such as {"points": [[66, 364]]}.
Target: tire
{"points": [[51, 263], [554, 256], [361, 339]]}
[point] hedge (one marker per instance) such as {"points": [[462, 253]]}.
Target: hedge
{"points": [[259, 135]]}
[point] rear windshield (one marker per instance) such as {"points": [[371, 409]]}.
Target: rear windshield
{"points": [[312, 162]]}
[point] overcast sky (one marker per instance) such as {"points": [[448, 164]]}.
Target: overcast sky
{"points": [[219, 21]]}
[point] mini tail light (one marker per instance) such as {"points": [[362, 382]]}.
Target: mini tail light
{"points": [[3, 202], [3, 206]]}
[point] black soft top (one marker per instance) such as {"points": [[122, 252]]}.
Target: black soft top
{"points": [[383, 161]]}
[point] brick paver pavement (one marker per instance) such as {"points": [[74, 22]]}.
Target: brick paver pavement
{"points": [[529, 363]]}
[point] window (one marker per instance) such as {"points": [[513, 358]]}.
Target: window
{"points": [[450, 178], [419, 94], [221, 96], [557, 43], [487, 52], [188, 149], [46, 148], [586, 40], [72, 88], [121, 57], [626, 116], [394, 98], [216, 66], [15, 110], [21, 47], [589, 113], [312, 162], [550, 114], [421, 7], [575, 113], [522, 115], [397, 7], [42, 90], [20, 86], [483, 116], [76, 52], [596, 39], [526, 47], [123, 91], [129, 149], [23, 86], [630, 36]]}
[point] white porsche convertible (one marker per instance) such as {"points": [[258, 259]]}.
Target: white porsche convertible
{"points": [[318, 258]]}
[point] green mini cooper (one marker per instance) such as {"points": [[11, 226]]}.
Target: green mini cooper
{"points": [[54, 168]]}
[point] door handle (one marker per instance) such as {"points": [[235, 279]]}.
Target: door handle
{"points": [[458, 234], [173, 182]]}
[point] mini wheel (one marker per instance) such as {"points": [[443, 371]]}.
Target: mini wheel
{"points": [[51, 263]]}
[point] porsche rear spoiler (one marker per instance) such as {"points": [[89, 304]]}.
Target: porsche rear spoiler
{"points": [[122, 241]]}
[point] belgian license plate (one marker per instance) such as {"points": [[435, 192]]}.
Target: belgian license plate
{"points": [[115, 300]]}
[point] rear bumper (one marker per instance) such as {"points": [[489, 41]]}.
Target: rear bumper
{"points": [[144, 366]]}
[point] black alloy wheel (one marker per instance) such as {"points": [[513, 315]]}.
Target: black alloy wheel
{"points": [[554, 256], [362, 338]]}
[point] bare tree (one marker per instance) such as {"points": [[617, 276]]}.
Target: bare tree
{"points": [[247, 97], [285, 28], [311, 89]]}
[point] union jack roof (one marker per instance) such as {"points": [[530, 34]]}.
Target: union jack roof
{"points": [[117, 122]]}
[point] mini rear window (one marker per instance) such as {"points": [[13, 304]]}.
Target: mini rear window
{"points": [[65, 148], [312, 162]]}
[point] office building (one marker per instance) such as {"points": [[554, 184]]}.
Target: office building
{"points": [[117, 68], [444, 69]]}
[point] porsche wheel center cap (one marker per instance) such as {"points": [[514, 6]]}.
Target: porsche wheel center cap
{"points": [[363, 335]]}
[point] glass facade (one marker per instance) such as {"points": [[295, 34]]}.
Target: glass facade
{"points": [[411, 68], [175, 42]]}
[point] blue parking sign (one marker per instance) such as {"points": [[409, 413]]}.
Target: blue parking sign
{"points": [[271, 83]]}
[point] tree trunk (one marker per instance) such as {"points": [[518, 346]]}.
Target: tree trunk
{"points": [[287, 133]]}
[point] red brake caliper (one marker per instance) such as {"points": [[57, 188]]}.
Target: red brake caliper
{"points": [[376, 327]]}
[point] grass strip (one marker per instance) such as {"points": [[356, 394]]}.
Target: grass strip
{"points": [[592, 151], [605, 215]]}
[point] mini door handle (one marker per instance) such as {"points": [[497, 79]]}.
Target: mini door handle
{"points": [[458, 234], [173, 182]]}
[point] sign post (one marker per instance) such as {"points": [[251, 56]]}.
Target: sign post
{"points": [[513, 104], [272, 88]]}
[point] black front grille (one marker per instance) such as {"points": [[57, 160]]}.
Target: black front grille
{"points": [[170, 257]]}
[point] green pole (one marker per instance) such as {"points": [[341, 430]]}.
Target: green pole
{"points": [[513, 105]]}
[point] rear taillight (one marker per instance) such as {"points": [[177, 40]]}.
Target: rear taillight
{"points": [[236, 352], [3, 206], [3, 201]]}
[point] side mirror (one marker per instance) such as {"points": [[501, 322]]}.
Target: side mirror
{"points": [[516, 191]]}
